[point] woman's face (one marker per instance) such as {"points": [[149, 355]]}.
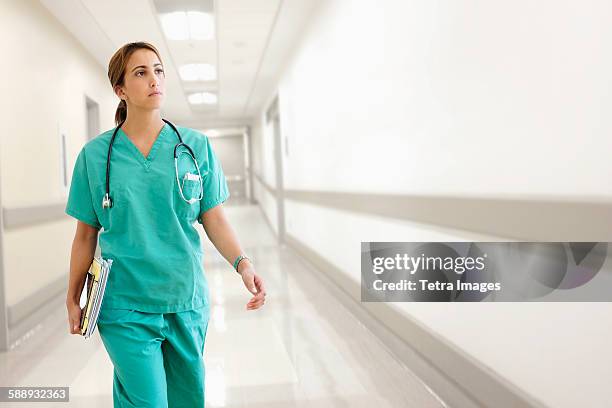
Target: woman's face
{"points": [[144, 81]]}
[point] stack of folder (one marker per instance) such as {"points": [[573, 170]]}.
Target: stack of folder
{"points": [[96, 283]]}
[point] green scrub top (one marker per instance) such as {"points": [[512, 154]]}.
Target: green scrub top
{"points": [[149, 231]]}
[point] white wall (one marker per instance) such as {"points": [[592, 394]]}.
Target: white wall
{"points": [[230, 153], [453, 97], [262, 135], [46, 74], [490, 98]]}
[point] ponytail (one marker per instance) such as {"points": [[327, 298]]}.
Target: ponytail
{"points": [[121, 112]]}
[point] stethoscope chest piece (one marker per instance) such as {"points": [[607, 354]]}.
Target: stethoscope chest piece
{"points": [[107, 202]]}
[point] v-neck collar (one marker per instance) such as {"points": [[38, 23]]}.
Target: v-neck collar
{"points": [[138, 154]]}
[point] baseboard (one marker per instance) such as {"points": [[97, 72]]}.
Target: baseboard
{"points": [[455, 377], [29, 312]]}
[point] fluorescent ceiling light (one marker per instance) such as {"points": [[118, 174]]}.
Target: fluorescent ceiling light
{"points": [[175, 25], [201, 25], [188, 25], [198, 72], [199, 98]]}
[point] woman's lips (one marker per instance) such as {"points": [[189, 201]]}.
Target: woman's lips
{"points": [[155, 94]]}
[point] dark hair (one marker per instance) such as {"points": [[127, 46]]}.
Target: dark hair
{"points": [[116, 71]]}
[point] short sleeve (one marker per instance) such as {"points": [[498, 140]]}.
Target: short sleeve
{"points": [[214, 182], [80, 203]]}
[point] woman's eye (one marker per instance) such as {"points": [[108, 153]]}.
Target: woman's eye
{"points": [[142, 72]]}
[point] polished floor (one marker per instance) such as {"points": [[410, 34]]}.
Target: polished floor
{"points": [[302, 349]]}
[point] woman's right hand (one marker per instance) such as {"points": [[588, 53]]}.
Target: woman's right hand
{"points": [[74, 317]]}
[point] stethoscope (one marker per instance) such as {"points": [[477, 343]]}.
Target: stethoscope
{"points": [[107, 201]]}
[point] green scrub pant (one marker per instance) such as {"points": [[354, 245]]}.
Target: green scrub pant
{"points": [[158, 357]]}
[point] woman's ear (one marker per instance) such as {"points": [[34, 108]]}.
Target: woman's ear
{"points": [[119, 92]]}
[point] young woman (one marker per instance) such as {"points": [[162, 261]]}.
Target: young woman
{"points": [[154, 316]]}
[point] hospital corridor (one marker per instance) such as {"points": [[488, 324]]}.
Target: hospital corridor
{"points": [[325, 151]]}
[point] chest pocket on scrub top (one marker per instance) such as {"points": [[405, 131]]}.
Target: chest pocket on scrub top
{"points": [[191, 186]]}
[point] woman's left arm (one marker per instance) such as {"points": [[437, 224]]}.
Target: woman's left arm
{"points": [[223, 237]]}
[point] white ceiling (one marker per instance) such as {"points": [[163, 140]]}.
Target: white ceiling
{"points": [[253, 41]]}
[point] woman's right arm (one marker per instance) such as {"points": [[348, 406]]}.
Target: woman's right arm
{"points": [[83, 252]]}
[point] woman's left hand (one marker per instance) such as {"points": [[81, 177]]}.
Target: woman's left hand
{"points": [[253, 283]]}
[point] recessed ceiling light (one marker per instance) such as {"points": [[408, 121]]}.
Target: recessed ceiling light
{"points": [[199, 98], [188, 25], [198, 72]]}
